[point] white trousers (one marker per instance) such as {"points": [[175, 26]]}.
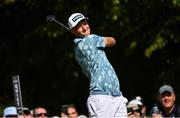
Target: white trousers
{"points": [[106, 106]]}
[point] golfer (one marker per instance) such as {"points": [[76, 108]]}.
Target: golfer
{"points": [[105, 99]]}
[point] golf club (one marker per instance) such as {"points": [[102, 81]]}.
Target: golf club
{"points": [[51, 18]]}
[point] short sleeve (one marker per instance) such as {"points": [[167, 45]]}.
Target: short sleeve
{"points": [[98, 41]]}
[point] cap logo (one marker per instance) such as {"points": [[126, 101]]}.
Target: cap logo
{"points": [[77, 17]]}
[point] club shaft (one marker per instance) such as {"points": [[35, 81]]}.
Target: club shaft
{"points": [[61, 24]]}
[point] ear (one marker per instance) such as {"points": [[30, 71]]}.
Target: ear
{"points": [[174, 96], [159, 97]]}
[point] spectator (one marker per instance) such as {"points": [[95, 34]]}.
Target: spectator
{"points": [[143, 107], [167, 100], [70, 111], [134, 108], [40, 112], [63, 111], [27, 113], [10, 112]]}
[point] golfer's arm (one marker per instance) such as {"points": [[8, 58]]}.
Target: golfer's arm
{"points": [[109, 41]]}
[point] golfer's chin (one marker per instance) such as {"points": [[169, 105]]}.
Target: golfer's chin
{"points": [[86, 33]]}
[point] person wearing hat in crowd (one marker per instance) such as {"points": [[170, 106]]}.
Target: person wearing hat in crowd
{"points": [[40, 112], [143, 106], [134, 108], [27, 113], [167, 99], [10, 112], [105, 99]]}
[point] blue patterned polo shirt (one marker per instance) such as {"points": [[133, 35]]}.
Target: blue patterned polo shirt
{"points": [[90, 55]]}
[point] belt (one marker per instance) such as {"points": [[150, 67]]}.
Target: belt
{"points": [[103, 93]]}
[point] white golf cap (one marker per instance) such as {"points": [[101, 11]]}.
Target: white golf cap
{"points": [[134, 104], [74, 19]]}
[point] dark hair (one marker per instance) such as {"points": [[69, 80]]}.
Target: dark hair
{"points": [[72, 106], [64, 108]]}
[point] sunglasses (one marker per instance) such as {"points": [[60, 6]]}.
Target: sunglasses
{"points": [[26, 112], [137, 110], [40, 114], [134, 110]]}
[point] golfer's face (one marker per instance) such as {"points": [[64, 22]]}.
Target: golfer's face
{"points": [[82, 29]]}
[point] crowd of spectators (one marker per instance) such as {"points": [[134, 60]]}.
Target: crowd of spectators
{"points": [[136, 108]]}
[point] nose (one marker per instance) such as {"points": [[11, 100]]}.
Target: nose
{"points": [[166, 98], [83, 27]]}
